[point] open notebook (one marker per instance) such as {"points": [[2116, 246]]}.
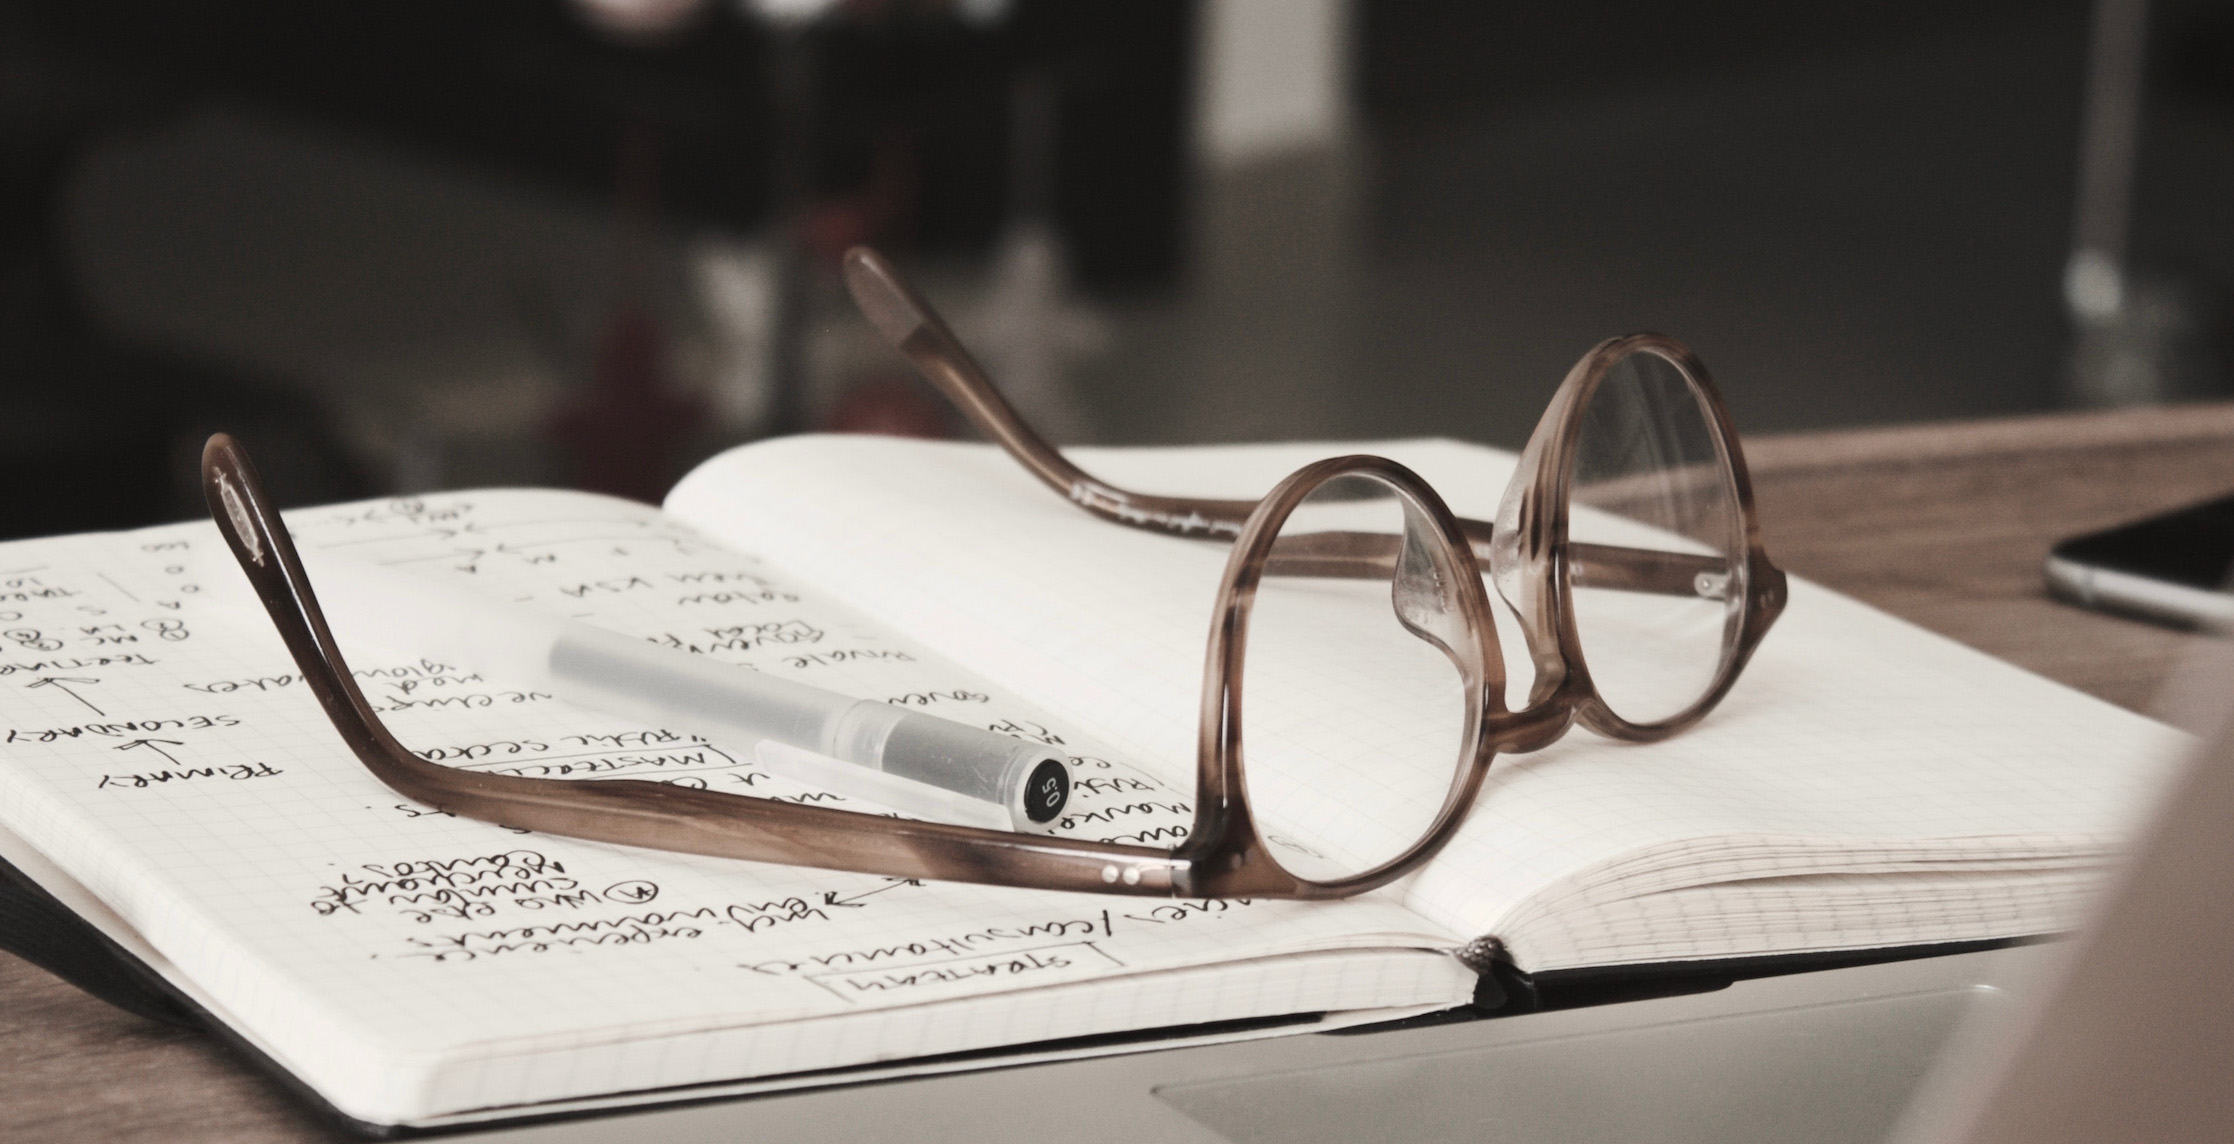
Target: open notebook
{"points": [[1866, 785]]}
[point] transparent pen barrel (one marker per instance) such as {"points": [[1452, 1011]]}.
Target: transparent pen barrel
{"points": [[620, 674]]}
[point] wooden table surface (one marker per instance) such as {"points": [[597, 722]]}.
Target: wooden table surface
{"points": [[1944, 525]]}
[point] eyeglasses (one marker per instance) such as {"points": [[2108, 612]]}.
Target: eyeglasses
{"points": [[1354, 616]]}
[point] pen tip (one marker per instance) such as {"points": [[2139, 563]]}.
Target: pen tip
{"points": [[882, 295]]}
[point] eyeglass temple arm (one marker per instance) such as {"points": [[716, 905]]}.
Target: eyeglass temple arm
{"points": [[913, 327], [633, 812], [1648, 570], [1372, 555], [899, 313]]}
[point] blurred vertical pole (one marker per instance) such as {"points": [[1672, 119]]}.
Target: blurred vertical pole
{"points": [[791, 99], [624, 431], [1276, 188], [2137, 337], [1031, 147], [1033, 325], [2094, 279], [54, 417]]}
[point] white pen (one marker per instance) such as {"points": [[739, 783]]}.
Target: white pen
{"points": [[610, 672]]}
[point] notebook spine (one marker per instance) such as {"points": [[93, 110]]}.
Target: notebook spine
{"points": [[38, 928]]}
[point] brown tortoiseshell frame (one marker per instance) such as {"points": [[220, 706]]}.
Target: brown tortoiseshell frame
{"points": [[1223, 856]]}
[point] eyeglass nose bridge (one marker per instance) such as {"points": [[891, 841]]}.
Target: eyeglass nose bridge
{"points": [[1530, 729]]}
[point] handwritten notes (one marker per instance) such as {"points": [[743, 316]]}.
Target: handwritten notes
{"points": [[156, 740]]}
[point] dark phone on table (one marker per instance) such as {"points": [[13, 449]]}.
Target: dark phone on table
{"points": [[2172, 568]]}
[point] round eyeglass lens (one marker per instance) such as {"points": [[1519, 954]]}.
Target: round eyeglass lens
{"points": [[1654, 563], [1356, 711]]}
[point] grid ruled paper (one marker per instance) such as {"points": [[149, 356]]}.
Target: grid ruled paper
{"points": [[1855, 747], [409, 964]]}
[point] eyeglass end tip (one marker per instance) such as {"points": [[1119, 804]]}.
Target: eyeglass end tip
{"points": [[882, 295]]}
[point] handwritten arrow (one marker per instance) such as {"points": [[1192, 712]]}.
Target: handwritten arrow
{"points": [[59, 681], [150, 744], [831, 898]]}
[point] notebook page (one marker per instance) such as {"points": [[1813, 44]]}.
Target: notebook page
{"points": [[163, 753], [1854, 737]]}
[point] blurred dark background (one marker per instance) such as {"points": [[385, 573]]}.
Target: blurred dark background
{"points": [[418, 244]]}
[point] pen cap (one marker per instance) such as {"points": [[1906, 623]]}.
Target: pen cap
{"points": [[1028, 778]]}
